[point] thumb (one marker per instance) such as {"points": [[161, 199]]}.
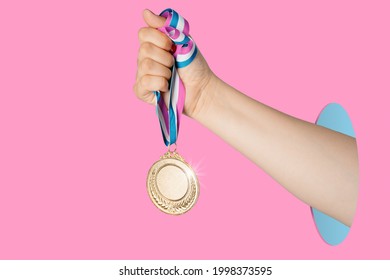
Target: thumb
{"points": [[153, 20]]}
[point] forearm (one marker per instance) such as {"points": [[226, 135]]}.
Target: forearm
{"points": [[317, 165]]}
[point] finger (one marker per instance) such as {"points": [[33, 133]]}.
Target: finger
{"points": [[150, 83], [153, 20], [148, 50], [150, 67], [144, 88], [146, 96], [148, 34]]}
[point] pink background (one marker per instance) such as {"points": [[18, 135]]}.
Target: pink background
{"points": [[76, 145]]}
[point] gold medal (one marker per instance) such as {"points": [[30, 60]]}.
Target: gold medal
{"points": [[172, 184]]}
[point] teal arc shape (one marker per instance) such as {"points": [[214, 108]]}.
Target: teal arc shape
{"points": [[334, 117]]}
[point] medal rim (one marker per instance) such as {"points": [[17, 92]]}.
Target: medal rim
{"points": [[174, 156]]}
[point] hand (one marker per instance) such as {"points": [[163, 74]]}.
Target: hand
{"points": [[155, 61]]}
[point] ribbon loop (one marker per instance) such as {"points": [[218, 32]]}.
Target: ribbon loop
{"points": [[177, 29]]}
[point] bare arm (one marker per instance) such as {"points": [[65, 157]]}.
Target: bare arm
{"points": [[317, 165]]}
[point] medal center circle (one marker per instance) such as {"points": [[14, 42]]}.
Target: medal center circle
{"points": [[172, 182]]}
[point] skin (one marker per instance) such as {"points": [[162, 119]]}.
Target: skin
{"points": [[315, 164]]}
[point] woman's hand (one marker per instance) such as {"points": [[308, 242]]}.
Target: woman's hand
{"points": [[154, 63]]}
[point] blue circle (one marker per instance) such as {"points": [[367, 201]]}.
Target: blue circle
{"points": [[334, 117]]}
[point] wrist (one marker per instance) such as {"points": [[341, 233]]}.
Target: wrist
{"points": [[205, 98]]}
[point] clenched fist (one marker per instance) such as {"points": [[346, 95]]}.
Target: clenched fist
{"points": [[154, 67]]}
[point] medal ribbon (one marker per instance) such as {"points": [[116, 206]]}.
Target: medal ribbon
{"points": [[177, 29]]}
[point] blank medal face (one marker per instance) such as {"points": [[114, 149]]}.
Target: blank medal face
{"points": [[172, 182], [172, 185]]}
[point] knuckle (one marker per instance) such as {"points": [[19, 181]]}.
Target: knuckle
{"points": [[146, 47], [147, 65], [140, 51], [163, 83], [139, 96], [153, 83], [136, 91], [141, 33], [166, 42], [171, 60], [144, 81], [169, 73], [145, 51]]}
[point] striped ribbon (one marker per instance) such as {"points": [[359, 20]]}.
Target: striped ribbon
{"points": [[177, 29]]}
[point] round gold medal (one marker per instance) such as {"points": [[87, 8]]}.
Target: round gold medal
{"points": [[172, 184]]}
